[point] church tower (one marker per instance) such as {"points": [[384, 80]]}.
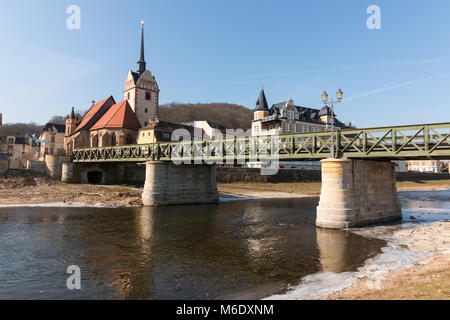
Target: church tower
{"points": [[141, 90], [71, 123]]}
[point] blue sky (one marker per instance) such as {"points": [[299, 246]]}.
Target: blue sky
{"points": [[223, 51]]}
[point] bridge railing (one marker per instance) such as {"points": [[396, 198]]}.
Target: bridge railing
{"points": [[401, 142]]}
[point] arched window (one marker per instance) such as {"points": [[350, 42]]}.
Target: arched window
{"points": [[95, 141], [129, 139], [105, 140], [52, 139], [113, 139]]}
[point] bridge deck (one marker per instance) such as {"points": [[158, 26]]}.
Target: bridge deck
{"points": [[426, 141]]}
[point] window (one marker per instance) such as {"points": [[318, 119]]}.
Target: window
{"points": [[145, 124], [128, 96], [287, 127], [290, 114], [146, 110], [147, 95], [306, 129], [52, 139]]}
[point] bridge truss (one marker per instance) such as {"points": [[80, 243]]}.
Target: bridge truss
{"points": [[428, 141]]}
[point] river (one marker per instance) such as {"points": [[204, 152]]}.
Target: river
{"points": [[239, 249]]}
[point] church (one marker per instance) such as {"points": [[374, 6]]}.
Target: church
{"points": [[111, 123]]}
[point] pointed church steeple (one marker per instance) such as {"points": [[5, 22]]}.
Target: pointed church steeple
{"points": [[141, 63], [261, 103]]}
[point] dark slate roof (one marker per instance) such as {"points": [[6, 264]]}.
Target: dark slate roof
{"points": [[217, 126], [261, 103], [135, 76], [325, 111], [61, 128]]}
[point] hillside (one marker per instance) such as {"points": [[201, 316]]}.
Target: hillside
{"points": [[226, 114], [19, 129]]}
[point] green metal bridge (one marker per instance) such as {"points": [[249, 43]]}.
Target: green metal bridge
{"points": [[425, 141]]}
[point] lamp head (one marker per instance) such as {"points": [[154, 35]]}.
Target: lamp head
{"points": [[339, 94], [325, 96]]}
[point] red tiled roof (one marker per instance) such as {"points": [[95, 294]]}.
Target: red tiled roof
{"points": [[119, 115], [91, 113]]}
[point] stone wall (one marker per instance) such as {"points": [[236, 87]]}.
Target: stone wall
{"points": [[107, 173], [357, 193], [236, 175], [37, 167], [4, 165], [247, 175]]}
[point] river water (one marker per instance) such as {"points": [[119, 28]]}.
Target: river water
{"points": [[240, 249]]}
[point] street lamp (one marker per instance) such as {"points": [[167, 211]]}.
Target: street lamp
{"points": [[325, 100]]}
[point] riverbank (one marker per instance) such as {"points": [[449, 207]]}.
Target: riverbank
{"points": [[428, 278], [24, 189], [313, 188]]}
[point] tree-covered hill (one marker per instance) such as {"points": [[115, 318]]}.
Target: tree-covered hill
{"points": [[229, 115]]}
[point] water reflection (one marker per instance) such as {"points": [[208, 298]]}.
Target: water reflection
{"points": [[182, 252]]}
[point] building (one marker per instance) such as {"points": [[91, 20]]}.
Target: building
{"points": [[141, 90], [286, 117], [210, 129], [52, 140], [108, 123], [160, 131], [432, 166], [21, 150], [118, 126]]}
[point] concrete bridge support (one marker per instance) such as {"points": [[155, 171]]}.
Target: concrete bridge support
{"points": [[357, 193], [170, 184]]}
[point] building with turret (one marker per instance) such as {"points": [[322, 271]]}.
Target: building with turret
{"points": [[286, 117]]}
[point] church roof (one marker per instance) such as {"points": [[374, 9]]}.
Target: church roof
{"points": [[86, 122], [119, 115]]}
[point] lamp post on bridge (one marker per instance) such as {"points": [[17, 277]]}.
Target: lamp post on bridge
{"points": [[325, 100]]}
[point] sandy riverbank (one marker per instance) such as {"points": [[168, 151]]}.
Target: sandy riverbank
{"points": [[27, 190], [428, 278]]}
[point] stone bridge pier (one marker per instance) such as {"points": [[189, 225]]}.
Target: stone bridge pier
{"points": [[357, 193], [170, 184]]}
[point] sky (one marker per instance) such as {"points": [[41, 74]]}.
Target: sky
{"points": [[225, 51]]}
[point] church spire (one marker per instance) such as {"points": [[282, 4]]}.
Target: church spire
{"points": [[141, 63]]}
